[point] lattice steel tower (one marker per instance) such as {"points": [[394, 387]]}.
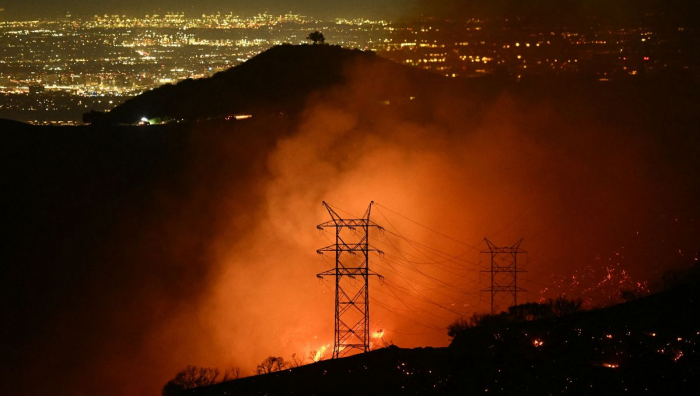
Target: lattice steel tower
{"points": [[351, 299], [504, 271]]}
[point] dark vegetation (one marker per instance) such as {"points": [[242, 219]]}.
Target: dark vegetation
{"points": [[647, 346], [557, 307], [316, 37], [651, 345]]}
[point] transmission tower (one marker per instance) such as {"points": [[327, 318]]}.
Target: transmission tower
{"points": [[504, 271], [351, 297]]}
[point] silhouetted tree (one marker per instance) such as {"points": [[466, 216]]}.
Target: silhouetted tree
{"points": [[296, 361], [190, 377], [316, 37], [477, 319], [172, 389], [563, 306], [231, 374], [457, 327], [271, 364], [529, 311]]}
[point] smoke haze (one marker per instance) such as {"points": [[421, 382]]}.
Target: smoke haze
{"points": [[137, 252]]}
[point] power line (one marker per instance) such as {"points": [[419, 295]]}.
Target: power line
{"points": [[428, 228]]}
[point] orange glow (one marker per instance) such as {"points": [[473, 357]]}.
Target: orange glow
{"points": [[320, 354], [611, 365], [378, 334], [253, 263]]}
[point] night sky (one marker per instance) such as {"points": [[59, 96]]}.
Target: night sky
{"points": [[542, 10], [316, 8]]}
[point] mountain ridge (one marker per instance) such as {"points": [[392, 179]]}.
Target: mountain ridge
{"points": [[279, 80]]}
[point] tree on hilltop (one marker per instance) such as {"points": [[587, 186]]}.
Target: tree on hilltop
{"points": [[316, 37]]}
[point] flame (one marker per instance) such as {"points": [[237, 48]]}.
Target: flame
{"points": [[321, 352], [378, 334], [537, 343], [611, 365]]}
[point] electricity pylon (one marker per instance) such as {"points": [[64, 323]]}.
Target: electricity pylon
{"points": [[504, 271], [351, 299]]}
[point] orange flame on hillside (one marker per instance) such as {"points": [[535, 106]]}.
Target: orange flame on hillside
{"points": [[321, 352]]}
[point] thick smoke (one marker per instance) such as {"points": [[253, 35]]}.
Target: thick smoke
{"points": [[142, 252], [585, 185]]}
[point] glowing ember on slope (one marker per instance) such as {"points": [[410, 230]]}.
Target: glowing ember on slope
{"points": [[604, 282], [679, 355], [378, 334], [537, 343], [611, 365]]}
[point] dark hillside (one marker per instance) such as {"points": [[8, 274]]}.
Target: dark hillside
{"points": [[277, 81], [108, 231], [650, 346]]}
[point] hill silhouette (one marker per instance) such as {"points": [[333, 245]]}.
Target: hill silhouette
{"points": [[647, 346], [276, 81]]}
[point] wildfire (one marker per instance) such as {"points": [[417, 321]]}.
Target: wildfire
{"points": [[378, 334], [321, 352], [537, 343], [611, 365], [602, 282]]}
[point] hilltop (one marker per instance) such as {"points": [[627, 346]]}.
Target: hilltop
{"points": [[279, 80], [649, 346]]}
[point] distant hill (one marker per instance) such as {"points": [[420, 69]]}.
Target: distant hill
{"points": [[11, 125], [648, 346], [278, 80]]}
